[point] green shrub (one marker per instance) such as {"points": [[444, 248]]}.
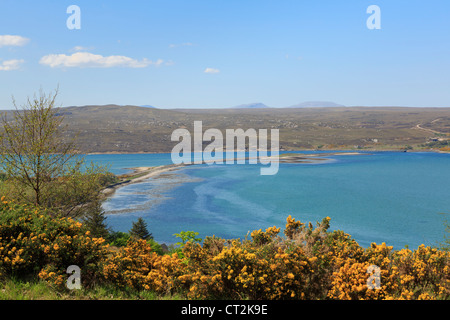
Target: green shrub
{"points": [[118, 238]]}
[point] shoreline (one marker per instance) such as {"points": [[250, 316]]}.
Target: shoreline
{"points": [[294, 150], [140, 173]]}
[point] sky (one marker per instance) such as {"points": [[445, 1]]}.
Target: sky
{"points": [[214, 54]]}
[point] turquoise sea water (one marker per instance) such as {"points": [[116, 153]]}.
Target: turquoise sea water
{"points": [[393, 197]]}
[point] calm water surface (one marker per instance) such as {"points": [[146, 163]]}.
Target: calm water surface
{"points": [[393, 197]]}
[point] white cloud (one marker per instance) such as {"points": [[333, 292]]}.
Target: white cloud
{"points": [[90, 60], [186, 44], [211, 70], [80, 48], [294, 57], [158, 62], [9, 65], [16, 41]]}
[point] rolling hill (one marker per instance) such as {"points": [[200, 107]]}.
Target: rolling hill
{"points": [[113, 128]]}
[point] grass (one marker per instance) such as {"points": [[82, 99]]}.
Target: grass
{"points": [[12, 289], [16, 290]]}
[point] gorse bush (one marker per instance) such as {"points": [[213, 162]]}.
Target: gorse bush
{"points": [[307, 262], [139, 267], [35, 244]]}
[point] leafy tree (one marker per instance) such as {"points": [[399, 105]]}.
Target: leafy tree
{"points": [[187, 236], [139, 230], [40, 161]]}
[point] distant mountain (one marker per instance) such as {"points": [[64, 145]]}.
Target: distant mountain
{"points": [[255, 105], [148, 106], [317, 104]]}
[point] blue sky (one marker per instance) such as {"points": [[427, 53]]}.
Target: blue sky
{"points": [[211, 53]]}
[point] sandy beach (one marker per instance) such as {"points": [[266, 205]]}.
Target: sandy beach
{"points": [[140, 174]]}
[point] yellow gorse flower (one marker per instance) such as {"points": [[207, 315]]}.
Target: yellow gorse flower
{"points": [[310, 262]]}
